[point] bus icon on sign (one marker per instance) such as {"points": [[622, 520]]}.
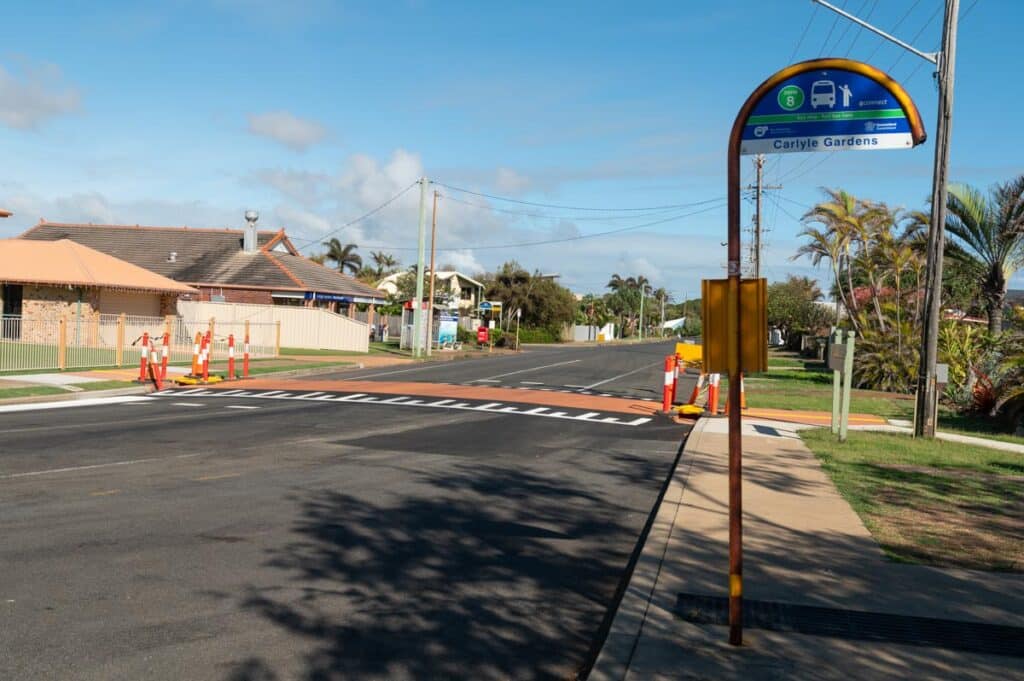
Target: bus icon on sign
{"points": [[823, 93]]}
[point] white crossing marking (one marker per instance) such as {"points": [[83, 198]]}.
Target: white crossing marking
{"points": [[308, 396], [538, 410], [354, 396], [394, 400], [242, 406], [588, 415], [268, 394], [186, 404], [488, 406], [440, 403], [228, 393]]}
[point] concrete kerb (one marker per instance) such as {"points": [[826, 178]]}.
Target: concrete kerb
{"points": [[627, 626]]}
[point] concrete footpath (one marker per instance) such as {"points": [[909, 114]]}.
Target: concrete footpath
{"points": [[803, 546]]}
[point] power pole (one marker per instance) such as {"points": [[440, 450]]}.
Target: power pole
{"points": [[417, 310], [430, 303], [661, 331], [927, 391], [758, 188]]}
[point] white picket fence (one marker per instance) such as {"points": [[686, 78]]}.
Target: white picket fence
{"points": [[301, 327]]}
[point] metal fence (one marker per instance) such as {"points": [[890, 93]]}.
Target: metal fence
{"points": [[77, 342]]}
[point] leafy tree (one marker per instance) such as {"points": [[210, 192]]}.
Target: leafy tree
{"points": [[318, 258], [545, 304], [989, 239], [344, 256], [793, 307], [385, 263]]}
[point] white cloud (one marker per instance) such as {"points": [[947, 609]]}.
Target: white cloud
{"points": [[508, 181], [30, 98], [288, 129]]}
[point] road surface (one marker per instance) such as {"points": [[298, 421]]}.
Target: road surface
{"points": [[469, 519]]}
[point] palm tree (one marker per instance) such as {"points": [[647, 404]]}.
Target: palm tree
{"points": [[989, 236], [318, 258], [616, 282], [345, 256], [385, 262]]}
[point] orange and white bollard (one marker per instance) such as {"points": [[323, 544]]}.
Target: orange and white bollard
{"points": [[666, 393], [154, 362], [231, 357], [245, 357], [675, 378], [165, 356], [196, 364], [714, 382], [697, 388], [143, 355], [205, 352]]}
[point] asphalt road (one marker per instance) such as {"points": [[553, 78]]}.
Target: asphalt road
{"points": [[199, 537]]}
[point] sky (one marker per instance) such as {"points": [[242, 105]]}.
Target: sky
{"points": [[189, 112]]}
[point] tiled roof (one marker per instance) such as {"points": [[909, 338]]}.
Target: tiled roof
{"points": [[66, 263], [208, 256]]}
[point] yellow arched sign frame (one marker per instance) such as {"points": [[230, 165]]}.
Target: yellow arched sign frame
{"points": [[734, 309]]}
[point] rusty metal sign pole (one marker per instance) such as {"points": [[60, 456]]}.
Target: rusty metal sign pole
{"points": [[735, 419]]}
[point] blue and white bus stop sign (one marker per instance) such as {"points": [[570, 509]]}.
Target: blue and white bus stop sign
{"points": [[830, 105]]}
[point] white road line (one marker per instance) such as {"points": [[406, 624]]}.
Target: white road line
{"points": [[440, 403], [192, 391], [394, 400], [327, 397], [309, 396], [615, 378], [488, 406], [588, 415], [524, 371], [186, 404], [510, 410], [228, 393], [67, 404], [242, 406], [96, 465], [636, 422], [532, 382], [538, 410], [484, 380], [269, 393], [354, 396]]}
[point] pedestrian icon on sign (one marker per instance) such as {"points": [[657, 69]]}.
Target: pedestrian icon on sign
{"points": [[847, 95]]}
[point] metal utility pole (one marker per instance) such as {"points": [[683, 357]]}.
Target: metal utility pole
{"points": [[758, 188], [661, 330], [945, 60], [430, 303], [417, 310], [927, 391]]}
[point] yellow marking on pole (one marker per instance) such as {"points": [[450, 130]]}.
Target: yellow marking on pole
{"points": [[216, 477], [104, 493], [736, 585]]}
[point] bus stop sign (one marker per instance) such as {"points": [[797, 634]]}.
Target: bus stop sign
{"points": [[837, 105]]}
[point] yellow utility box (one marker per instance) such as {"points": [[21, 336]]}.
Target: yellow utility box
{"points": [[753, 325]]}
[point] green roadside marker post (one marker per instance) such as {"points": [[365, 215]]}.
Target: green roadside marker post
{"points": [[844, 423], [835, 359]]}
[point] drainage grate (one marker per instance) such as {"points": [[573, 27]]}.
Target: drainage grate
{"points": [[988, 639]]}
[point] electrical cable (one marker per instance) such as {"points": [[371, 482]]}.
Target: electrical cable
{"points": [[917, 35], [856, 36], [563, 207], [361, 217], [803, 35], [835, 22], [893, 29], [577, 217], [579, 237]]}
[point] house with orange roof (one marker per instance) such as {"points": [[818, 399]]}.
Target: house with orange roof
{"points": [[222, 265], [56, 279]]}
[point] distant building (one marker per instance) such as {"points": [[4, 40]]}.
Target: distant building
{"points": [[456, 289]]}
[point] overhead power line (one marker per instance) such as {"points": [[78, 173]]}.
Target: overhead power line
{"points": [[560, 206], [580, 237], [546, 216], [917, 35], [810, 20], [899, 23], [361, 217]]}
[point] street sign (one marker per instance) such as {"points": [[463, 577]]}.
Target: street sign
{"points": [[836, 356], [942, 374], [485, 306], [840, 105]]}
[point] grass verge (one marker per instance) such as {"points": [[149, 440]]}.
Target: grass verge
{"points": [[30, 391], [928, 501]]}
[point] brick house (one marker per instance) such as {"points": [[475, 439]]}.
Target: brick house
{"points": [[50, 280], [223, 265]]}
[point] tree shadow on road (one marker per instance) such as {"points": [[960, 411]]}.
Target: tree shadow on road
{"points": [[477, 572]]}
